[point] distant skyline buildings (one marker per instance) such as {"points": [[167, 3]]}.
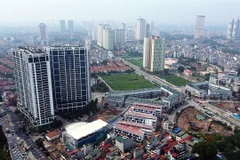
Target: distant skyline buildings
{"points": [[140, 29], [64, 30], [62, 27], [154, 54], [199, 27], [42, 27], [233, 30], [70, 27]]}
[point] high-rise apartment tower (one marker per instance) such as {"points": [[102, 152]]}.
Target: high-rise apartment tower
{"points": [[199, 28], [34, 85], [154, 54], [70, 77], [140, 29]]}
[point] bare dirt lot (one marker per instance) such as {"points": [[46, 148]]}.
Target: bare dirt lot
{"points": [[189, 116], [105, 114], [228, 106]]}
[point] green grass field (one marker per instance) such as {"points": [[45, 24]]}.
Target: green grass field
{"points": [[137, 62], [124, 82], [177, 81]]}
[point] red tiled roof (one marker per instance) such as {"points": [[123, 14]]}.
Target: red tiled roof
{"points": [[52, 134], [135, 124], [129, 129]]}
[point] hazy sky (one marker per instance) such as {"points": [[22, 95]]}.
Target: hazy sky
{"points": [[169, 12]]}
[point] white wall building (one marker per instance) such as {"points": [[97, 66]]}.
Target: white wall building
{"points": [[140, 30], [33, 81], [100, 35]]}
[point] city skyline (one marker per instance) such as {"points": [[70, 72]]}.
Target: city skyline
{"points": [[169, 12]]}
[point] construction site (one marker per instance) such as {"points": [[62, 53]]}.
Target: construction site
{"points": [[193, 120], [105, 114]]}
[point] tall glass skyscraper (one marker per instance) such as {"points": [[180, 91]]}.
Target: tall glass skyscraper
{"points": [[70, 77], [34, 85]]}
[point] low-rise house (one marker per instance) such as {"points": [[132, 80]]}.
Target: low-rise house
{"points": [[50, 136], [187, 72], [124, 143]]}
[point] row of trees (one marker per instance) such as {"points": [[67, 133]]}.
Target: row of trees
{"points": [[228, 146], [99, 87], [90, 108]]}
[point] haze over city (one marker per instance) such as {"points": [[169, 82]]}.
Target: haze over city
{"points": [[166, 12], [119, 79]]}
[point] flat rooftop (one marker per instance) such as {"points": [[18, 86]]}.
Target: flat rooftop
{"points": [[129, 129], [86, 129]]}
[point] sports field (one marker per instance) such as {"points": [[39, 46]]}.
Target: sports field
{"points": [[177, 81], [124, 82]]}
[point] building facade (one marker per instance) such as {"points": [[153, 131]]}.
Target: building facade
{"points": [[70, 77], [154, 54], [109, 39], [199, 28], [34, 87], [119, 36], [140, 29]]}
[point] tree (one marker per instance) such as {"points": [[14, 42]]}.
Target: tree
{"points": [[206, 150], [180, 68]]}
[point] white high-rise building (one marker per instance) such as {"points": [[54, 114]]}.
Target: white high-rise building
{"points": [[70, 27], [108, 39], [42, 31], [140, 29], [154, 54], [34, 87], [120, 36], [62, 27], [199, 28], [100, 35], [233, 31]]}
